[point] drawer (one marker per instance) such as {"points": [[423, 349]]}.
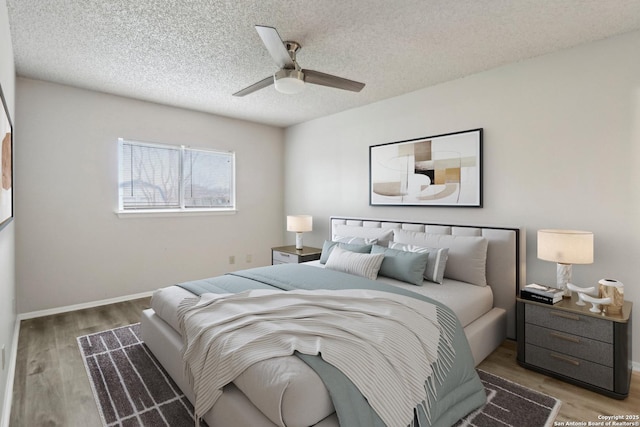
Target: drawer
{"points": [[284, 258], [574, 367], [572, 345], [570, 322]]}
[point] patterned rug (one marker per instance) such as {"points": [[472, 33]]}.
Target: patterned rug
{"points": [[510, 404], [132, 389]]}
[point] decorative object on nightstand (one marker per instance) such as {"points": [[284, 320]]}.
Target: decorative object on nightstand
{"points": [[581, 292], [540, 293], [291, 255], [611, 288], [565, 247], [569, 342], [299, 224], [595, 302]]}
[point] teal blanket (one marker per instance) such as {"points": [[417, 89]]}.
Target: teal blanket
{"points": [[459, 393]]}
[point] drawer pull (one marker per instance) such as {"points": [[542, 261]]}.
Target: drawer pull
{"points": [[284, 255], [564, 315], [565, 337], [564, 359]]}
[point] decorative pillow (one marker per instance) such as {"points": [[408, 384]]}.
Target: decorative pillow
{"points": [[365, 265], [467, 257], [382, 235], [436, 259], [355, 240], [406, 266], [328, 246]]}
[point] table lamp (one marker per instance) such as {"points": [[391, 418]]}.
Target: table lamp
{"points": [[565, 247], [299, 224]]}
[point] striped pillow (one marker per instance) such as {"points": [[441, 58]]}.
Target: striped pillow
{"points": [[436, 263], [365, 265]]}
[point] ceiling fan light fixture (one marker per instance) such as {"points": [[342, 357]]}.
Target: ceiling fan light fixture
{"points": [[289, 81]]}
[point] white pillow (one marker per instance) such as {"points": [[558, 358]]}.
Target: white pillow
{"points": [[436, 262], [467, 259], [365, 265], [355, 240], [382, 235]]}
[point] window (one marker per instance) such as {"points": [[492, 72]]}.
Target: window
{"points": [[168, 178]]}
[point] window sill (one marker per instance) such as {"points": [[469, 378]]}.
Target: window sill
{"points": [[152, 213]]}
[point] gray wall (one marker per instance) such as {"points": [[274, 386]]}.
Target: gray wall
{"points": [[7, 234], [71, 248], [561, 150]]}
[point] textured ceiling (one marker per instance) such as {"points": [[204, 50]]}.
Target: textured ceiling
{"points": [[195, 54]]}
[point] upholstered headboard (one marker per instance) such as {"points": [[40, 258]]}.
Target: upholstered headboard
{"points": [[503, 269]]}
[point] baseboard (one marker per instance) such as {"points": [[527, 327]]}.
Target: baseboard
{"points": [[8, 393], [92, 304]]}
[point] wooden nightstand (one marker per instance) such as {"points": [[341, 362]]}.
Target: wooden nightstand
{"points": [[571, 343], [291, 255]]}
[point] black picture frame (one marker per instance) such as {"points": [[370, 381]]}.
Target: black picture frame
{"points": [[439, 170], [6, 164]]}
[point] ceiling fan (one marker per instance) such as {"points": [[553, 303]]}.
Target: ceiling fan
{"points": [[291, 78]]}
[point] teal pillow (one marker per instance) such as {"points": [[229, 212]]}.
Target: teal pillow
{"points": [[436, 264], [405, 266], [328, 246]]}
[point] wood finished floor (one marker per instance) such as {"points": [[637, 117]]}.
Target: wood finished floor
{"points": [[51, 387]]}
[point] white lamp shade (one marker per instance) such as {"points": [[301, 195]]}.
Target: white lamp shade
{"points": [[299, 223], [565, 246]]}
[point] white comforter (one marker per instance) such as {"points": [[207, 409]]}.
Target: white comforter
{"points": [[398, 334]]}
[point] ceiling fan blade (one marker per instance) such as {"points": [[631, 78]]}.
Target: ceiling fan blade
{"points": [[256, 86], [275, 46], [323, 79]]}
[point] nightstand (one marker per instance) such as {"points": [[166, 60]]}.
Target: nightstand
{"points": [[567, 341], [291, 255]]}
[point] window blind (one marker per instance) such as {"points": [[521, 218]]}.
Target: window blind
{"points": [[159, 177]]}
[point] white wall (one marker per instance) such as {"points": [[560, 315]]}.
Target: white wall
{"points": [[561, 150], [70, 246], [7, 233]]}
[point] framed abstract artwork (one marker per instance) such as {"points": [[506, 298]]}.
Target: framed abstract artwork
{"points": [[6, 164], [441, 170]]}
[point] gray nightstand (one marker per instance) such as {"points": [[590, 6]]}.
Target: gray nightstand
{"points": [[291, 255], [571, 343]]}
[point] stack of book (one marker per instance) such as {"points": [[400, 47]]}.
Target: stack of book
{"points": [[540, 293]]}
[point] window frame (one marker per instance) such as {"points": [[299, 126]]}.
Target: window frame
{"points": [[123, 212]]}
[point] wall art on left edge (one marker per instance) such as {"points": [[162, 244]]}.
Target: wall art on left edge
{"points": [[6, 164], [441, 170]]}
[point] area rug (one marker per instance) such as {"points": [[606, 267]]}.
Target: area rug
{"points": [[132, 389], [510, 404]]}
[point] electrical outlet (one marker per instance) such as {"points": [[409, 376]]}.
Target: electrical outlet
{"points": [[249, 258], [232, 259]]}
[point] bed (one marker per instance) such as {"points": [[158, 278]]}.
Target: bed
{"points": [[480, 278]]}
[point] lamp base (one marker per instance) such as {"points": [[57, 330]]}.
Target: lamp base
{"points": [[563, 276], [299, 241]]}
